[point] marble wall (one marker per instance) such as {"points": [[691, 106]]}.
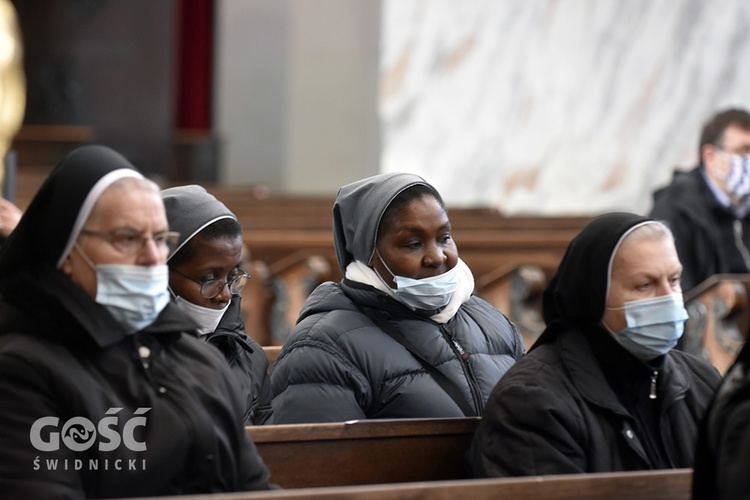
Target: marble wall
{"points": [[556, 106]]}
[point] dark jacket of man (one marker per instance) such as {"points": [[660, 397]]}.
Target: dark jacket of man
{"points": [[703, 228]]}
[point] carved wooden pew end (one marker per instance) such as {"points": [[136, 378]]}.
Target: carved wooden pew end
{"points": [[718, 319]]}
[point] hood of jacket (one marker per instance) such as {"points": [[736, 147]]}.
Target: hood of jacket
{"points": [[357, 211]]}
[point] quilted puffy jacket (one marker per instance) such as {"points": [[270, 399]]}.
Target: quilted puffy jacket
{"points": [[338, 365]]}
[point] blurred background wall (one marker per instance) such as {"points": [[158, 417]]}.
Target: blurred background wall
{"points": [[534, 106]]}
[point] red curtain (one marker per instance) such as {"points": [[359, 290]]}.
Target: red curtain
{"points": [[195, 40]]}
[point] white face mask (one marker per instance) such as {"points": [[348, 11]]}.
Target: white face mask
{"points": [[134, 295], [207, 318]]}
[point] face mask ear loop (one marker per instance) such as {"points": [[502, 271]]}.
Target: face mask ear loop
{"points": [[606, 327], [386, 268], [85, 257]]}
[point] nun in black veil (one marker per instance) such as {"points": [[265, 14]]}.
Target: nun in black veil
{"points": [[602, 389], [106, 391]]}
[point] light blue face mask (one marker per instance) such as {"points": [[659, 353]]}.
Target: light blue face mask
{"points": [[428, 294], [133, 295], [654, 325]]}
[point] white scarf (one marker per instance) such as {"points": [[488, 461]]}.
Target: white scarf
{"points": [[361, 273]]}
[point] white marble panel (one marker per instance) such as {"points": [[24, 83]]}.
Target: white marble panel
{"points": [[556, 106]]}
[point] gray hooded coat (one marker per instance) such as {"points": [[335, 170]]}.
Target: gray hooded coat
{"points": [[338, 365]]}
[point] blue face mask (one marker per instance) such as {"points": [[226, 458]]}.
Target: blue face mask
{"points": [[134, 295], [654, 325], [427, 293]]}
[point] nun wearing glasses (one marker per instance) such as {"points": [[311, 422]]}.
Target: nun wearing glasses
{"points": [[106, 391], [206, 280]]}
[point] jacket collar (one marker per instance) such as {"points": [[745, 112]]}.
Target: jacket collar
{"points": [[231, 328], [592, 382]]}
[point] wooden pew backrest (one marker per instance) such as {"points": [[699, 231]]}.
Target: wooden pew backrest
{"points": [[640, 485], [719, 319], [272, 352]]}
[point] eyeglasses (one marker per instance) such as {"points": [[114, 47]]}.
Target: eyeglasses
{"points": [[212, 288], [744, 151], [129, 241]]}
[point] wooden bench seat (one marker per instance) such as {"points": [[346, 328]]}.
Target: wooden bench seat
{"points": [[364, 451]]}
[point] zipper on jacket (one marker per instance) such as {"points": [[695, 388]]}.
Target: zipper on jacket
{"points": [[652, 392], [463, 356]]}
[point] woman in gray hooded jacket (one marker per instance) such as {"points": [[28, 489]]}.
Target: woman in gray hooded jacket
{"points": [[402, 335]]}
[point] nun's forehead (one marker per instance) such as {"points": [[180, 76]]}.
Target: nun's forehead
{"points": [[616, 250], [104, 183]]}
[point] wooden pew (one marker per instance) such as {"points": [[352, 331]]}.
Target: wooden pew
{"points": [[719, 319], [294, 253], [640, 485], [40, 147], [272, 352], [516, 290], [364, 451], [482, 250], [292, 279], [291, 254], [263, 210]]}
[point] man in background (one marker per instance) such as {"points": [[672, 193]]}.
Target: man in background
{"points": [[708, 207]]}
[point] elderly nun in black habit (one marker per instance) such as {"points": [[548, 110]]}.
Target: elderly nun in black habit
{"points": [[103, 392], [402, 336], [602, 388]]}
